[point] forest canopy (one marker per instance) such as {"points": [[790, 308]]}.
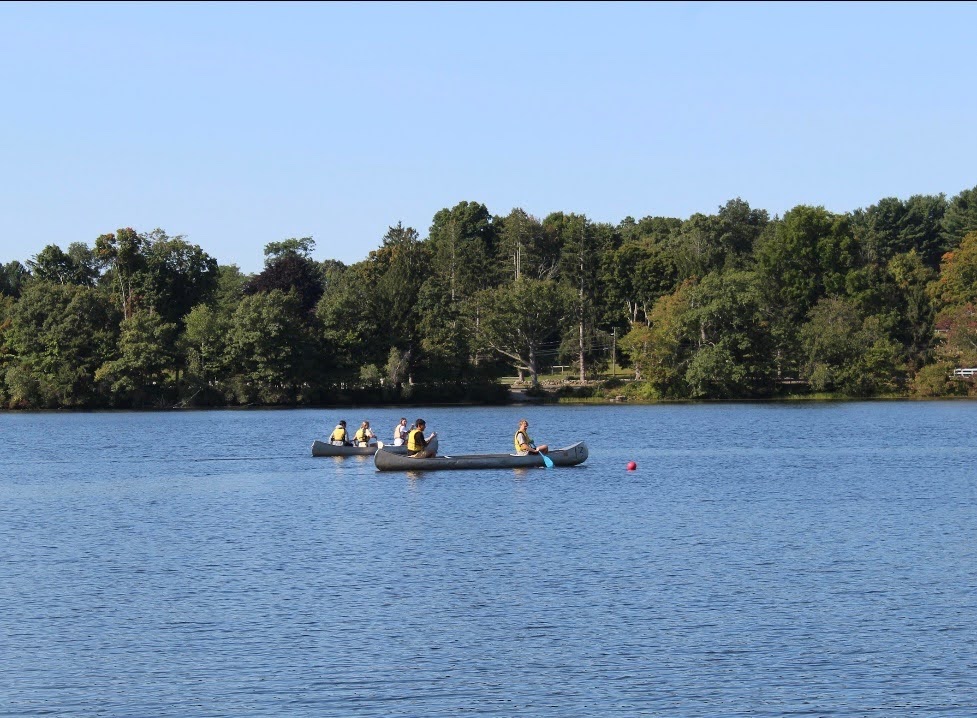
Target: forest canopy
{"points": [[730, 305]]}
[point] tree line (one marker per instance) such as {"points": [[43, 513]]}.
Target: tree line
{"points": [[736, 304]]}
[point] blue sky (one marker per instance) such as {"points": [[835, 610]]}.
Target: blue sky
{"points": [[239, 124]]}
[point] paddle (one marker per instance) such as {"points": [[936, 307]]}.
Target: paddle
{"points": [[547, 461]]}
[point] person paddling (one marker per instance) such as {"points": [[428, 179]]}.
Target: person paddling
{"points": [[339, 437], [524, 443], [417, 446], [364, 435]]}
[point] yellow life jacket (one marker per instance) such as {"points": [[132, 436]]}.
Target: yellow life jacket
{"points": [[361, 435], [338, 434], [516, 442], [415, 441]]}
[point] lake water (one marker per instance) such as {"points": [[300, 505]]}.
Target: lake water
{"points": [[763, 560]]}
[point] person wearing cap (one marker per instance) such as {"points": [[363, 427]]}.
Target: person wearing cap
{"points": [[339, 436], [417, 446]]}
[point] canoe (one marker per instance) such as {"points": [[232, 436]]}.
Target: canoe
{"points": [[324, 448], [386, 460]]}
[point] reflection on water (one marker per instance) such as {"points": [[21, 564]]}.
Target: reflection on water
{"points": [[763, 560]]}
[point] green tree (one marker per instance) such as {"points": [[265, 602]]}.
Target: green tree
{"points": [[893, 226], [401, 266], [288, 267], [846, 351], [636, 345], [175, 276], [230, 288], [86, 263], [517, 320], [462, 244], [270, 347], [51, 264], [350, 319], [730, 342], [143, 371], [12, 278], [960, 218], [915, 314], [663, 352], [640, 273], [122, 253], [583, 244], [294, 246], [696, 248], [738, 229], [204, 343], [524, 247], [446, 333], [788, 259], [800, 258], [59, 335], [6, 352]]}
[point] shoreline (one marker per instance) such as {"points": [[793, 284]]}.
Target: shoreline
{"points": [[531, 401]]}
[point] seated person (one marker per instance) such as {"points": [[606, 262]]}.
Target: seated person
{"points": [[339, 437], [417, 446], [524, 443], [400, 432], [364, 435]]}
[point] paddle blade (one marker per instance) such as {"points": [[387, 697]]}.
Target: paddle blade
{"points": [[547, 461]]}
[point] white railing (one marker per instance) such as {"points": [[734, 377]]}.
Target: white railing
{"points": [[965, 372]]}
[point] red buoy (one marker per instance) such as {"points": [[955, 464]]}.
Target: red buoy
{"points": [[632, 466]]}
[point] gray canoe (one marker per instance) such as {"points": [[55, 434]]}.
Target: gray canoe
{"points": [[388, 461], [324, 448]]}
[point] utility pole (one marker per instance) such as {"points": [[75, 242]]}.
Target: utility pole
{"points": [[613, 350]]}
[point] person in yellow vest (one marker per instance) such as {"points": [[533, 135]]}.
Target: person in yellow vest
{"points": [[339, 437], [524, 443], [417, 446], [364, 435]]}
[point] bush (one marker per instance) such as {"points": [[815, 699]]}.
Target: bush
{"points": [[935, 380]]}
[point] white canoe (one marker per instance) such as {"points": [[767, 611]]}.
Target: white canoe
{"points": [[324, 448], [386, 460]]}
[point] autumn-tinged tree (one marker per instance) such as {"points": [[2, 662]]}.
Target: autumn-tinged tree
{"points": [[957, 283]]}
